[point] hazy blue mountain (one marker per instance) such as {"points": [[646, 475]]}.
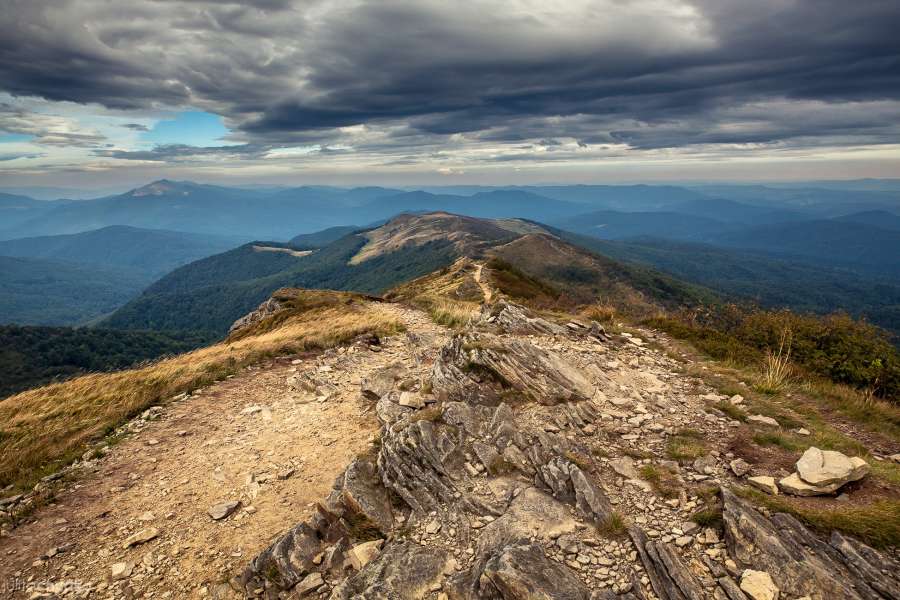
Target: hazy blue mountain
{"points": [[625, 198], [153, 252], [36, 291], [493, 204], [731, 211], [614, 225], [875, 218], [828, 242], [16, 210], [813, 202], [263, 213], [322, 238]]}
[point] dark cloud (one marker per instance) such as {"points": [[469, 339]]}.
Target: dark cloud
{"points": [[649, 74], [136, 127]]}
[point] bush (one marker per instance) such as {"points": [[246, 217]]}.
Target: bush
{"points": [[843, 349]]}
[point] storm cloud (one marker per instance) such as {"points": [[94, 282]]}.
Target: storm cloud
{"points": [[391, 77]]}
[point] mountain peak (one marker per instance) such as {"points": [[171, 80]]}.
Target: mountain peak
{"points": [[162, 187]]}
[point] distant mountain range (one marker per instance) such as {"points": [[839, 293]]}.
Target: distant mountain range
{"points": [[282, 213], [832, 238]]}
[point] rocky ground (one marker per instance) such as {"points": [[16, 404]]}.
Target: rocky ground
{"points": [[516, 459]]}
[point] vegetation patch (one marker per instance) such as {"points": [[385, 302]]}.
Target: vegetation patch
{"points": [[876, 523], [664, 482], [837, 347], [686, 444], [613, 526]]}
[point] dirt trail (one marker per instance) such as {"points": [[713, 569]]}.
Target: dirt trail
{"points": [[252, 438], [485, 288]]}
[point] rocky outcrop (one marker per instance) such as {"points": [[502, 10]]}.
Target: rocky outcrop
{"points": [[800, 563], [670, 578], [512, 318], [497, 491], [479, 367], [263, 311]]}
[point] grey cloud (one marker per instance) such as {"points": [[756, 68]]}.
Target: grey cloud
{"points": [[48, 130], [645, 74]]}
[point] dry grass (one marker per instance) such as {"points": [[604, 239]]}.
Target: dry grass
{"points": [[450, 313], [614, 526], [44, 428], [876, 523], [664, 482], [777, 369], [602, 313]]}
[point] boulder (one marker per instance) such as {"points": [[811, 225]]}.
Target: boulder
{"points": [[797, 561], [758, 585], [309, 584], [793, 485], [523, 572], [822, 468], [402, 570], [411, 400], [473, 359]]}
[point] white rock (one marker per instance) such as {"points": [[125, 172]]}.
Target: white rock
{"points": [[121, 571], [763, 420], [361, 554], [764, 483], [411, 400], [759, 585], [826, 467]]}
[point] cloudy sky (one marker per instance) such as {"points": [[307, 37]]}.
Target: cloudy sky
{"points": [[101, 92]]}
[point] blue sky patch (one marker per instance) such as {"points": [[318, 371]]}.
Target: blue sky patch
{"points": [[192, 128], [9, 138]]}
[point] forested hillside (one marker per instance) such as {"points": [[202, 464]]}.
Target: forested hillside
{"points": [[34, 356]]}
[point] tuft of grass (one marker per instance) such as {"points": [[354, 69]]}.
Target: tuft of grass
{"points": [[43, 429], [876, 523], [708, 517], [613, 526], [664, 482], [686, 444], [602, 313], [777, 369], [362, 528]]}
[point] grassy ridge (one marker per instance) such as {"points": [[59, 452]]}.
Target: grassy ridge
{"points": [[42, 429]]}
